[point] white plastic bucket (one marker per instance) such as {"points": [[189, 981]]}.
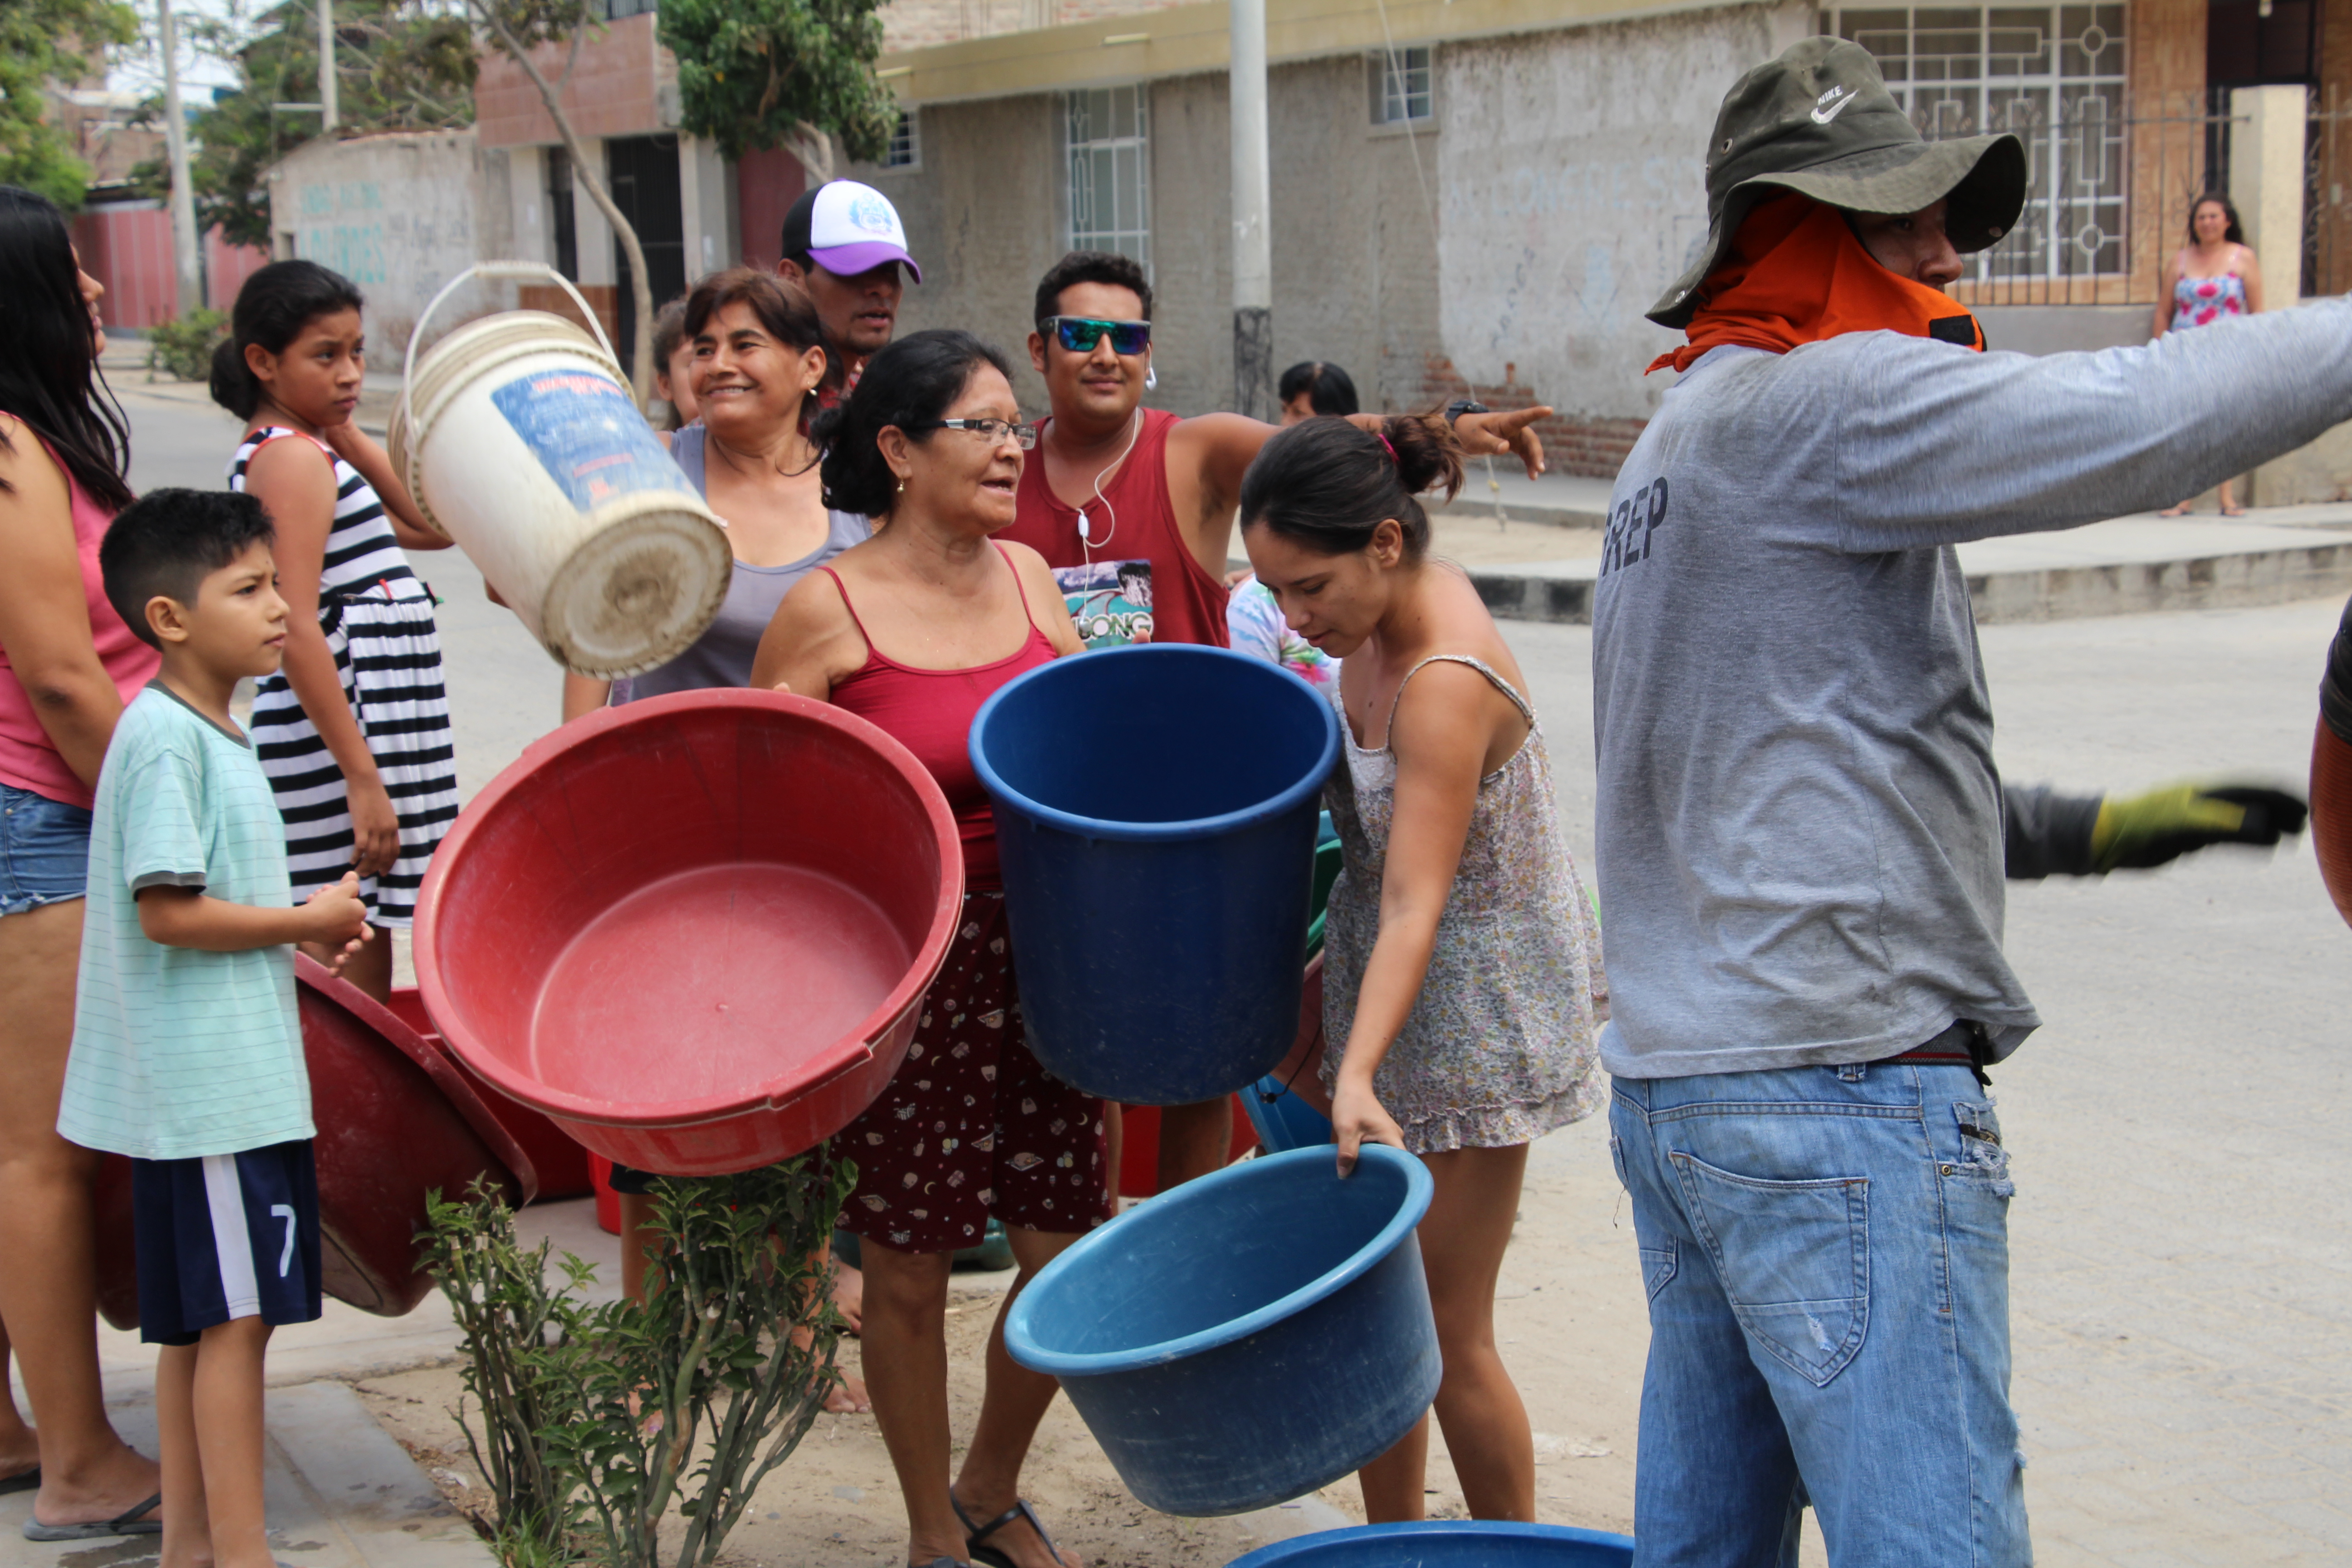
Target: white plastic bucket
{"points": [[520, 440]]}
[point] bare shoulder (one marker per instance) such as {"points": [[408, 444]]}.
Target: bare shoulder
{"points": [[31, 477], [293, 465]]}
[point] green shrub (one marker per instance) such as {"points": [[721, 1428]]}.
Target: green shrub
{"points": [[182, 348], [597, 1420]]}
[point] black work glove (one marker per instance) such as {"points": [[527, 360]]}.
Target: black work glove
{"points": [[2135, 832]]}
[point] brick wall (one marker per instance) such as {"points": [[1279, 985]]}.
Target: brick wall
{"points": [[616, 90], [1590, 448]]}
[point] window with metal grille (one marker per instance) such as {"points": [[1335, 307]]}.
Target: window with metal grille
{"points": [[2052, 74], [1401, 87], [1110, 195], [906, 144]]}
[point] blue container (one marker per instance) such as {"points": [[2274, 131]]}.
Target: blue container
{"points": [[1247, 1337], [1156, 813], [1447, 1543], [1285, 1122]]}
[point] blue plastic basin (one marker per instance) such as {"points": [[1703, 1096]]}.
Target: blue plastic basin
{"points": [[1156, 813], [1247, 1337], [1447, 1543]]}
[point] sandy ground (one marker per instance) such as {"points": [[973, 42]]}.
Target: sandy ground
{"points": [[1565, 1318]]}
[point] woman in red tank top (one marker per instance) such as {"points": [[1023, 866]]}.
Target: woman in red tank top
{"points": [[913, 630], [67, 665]]}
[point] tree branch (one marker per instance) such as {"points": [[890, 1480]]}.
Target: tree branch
{"points": [[641, 359]]}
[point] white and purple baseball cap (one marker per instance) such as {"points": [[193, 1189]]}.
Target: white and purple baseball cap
{"points": [[847, 228]]}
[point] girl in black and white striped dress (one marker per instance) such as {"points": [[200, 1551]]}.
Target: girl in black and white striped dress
{"points": [[354, 731]]}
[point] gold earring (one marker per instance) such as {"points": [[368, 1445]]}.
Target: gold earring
{"points": [[902, 487]]}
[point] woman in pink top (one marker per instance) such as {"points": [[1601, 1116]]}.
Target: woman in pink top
{"points": [[68, 664]]}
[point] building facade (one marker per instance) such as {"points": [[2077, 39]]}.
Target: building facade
{"points": [[1484, 196]]}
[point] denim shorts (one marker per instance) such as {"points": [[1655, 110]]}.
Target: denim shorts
{"points": [[44, 850]]}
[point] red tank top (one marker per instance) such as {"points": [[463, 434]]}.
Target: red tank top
{"points": [[929, 712], [1141, 582]]}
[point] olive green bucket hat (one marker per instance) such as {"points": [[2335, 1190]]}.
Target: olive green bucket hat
{"points": [[1820, 121]]}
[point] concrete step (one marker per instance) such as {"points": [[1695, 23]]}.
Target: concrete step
{"points": [[2123, 566], [1555, 501]]}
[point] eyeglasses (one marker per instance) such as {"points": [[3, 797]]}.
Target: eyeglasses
{"points": [[994, 431], [1079, 334]]}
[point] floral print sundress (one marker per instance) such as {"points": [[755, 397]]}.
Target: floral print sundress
{"points": [[2202, 301], [1502, 1046]]}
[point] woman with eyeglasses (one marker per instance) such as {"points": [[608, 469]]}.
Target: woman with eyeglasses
{"points": [[913, 630]]}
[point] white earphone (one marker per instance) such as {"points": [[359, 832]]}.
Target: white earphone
{"points": [[1150, 376]]}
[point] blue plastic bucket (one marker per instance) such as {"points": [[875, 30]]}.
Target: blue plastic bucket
{"points": [[1282, 1120], [1248, 1337], [1447, 1543], [1156, 811]]}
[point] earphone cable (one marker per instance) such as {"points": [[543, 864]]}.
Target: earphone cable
{"points": [[1086, 540]]}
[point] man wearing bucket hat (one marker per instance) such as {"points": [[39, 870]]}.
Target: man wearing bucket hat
{"points": [[842, 243], [1799, 822]]}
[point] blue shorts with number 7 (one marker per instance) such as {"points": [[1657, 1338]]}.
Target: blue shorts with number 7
{"points": [[223, 1237]]}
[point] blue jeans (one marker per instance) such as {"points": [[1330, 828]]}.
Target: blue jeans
{"points": [[1827, 1257], [44, 850]]}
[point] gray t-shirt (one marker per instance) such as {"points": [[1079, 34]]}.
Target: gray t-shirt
{"points": [[1799, 825], [722, 655]]}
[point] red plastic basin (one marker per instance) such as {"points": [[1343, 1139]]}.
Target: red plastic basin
{"points": [[395, 1120], [695, 931]]}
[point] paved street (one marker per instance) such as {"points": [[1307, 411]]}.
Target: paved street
{"points": [[2181, 1274]]}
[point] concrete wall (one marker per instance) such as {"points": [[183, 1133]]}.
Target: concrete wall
{"points": [[400, 216], [982, 218], [1572, 192], [1355, 259]]}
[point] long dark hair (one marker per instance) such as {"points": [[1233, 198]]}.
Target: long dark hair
{"points": [[2235, 234], [276, 303], [49, 353], [910, 384], [1326, 485]]}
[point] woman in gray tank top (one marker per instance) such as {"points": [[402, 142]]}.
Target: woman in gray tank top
{"points": [[759, 354]]}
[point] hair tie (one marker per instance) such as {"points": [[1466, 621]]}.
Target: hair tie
{"points": [[1383, 440]]}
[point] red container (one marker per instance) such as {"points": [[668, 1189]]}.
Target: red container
{"points": [[608, 1202], [562, 1166], [395, 1120], [1139, 1151], [695, 931]]}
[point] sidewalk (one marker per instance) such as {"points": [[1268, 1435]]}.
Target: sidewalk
{"points": [[364, 1459], [1545, 571]]}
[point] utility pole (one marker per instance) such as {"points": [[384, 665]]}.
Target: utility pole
{"points": [[327, 84], [188, 262], [1253, 218]]}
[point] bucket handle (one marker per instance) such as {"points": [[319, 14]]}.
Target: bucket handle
{"points": [[515, 269]]}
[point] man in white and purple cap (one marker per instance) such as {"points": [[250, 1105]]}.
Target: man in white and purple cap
{"points": [[842, 243]]}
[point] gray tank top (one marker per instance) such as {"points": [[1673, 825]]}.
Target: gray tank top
{"points": [[722, 655]]}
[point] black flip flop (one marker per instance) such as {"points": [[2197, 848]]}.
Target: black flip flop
{"points": [[127, 1522], [23, 1481], [975, 1536]]}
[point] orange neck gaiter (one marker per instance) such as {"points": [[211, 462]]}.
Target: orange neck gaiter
{"points": [[1798, 275]]}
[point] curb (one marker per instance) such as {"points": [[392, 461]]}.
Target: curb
{"points": [[2232, 581]]}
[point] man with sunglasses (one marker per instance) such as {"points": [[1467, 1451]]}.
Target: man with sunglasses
{"points": [[1118, 493]]}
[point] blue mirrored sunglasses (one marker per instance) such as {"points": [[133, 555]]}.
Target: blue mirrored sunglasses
{"points": [[1079, 334]]}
